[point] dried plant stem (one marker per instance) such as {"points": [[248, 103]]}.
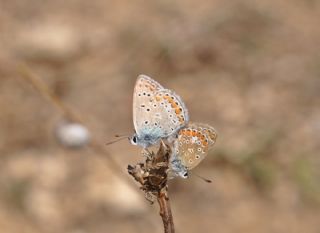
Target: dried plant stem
{"points": [[152, 175], [165, 212]]}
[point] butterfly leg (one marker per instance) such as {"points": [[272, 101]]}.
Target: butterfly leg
{"points": [[164, 146], [146, 153], [171, 174], [161, 164], [149, 197]]}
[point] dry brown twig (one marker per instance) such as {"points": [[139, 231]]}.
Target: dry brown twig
{"points": [[153, 176], [95, 146]]}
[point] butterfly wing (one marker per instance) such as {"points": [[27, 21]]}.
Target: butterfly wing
{"points": [[157, 112], [172, 111], [143, 97], [193, 144], [208, 130]]}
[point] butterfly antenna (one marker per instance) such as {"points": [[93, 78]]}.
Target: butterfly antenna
{"points": [[202, 178], [121, 135], [119, 138]]}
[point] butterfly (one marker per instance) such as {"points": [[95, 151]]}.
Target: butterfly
{"points": [[190, 147], [158, 113]]}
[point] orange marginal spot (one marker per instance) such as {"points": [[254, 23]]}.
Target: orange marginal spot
{"points": [[189, 132], [186, 133], [173, 105], [202, 137], [194, 133], [181, 119], [158, 98], [204, 143], [177, 111], [198, 134]]}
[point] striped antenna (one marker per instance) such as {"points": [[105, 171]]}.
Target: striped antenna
{"points": [[119, 138], [202, 178]]}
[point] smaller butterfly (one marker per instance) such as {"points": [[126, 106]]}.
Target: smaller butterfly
{"points": [[190, 147]]}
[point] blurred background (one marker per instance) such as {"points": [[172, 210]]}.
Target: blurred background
{"points": [[249, 68]]}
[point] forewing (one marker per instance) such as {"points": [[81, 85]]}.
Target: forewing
{"points": [[173, 114], [145, 108]]}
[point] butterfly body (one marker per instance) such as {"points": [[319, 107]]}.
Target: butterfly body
{"points": [[191, 147], [157, 112]]}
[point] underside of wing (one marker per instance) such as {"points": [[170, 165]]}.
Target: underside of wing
{"points": [[172, 110], [193, 144], [207, 130], [143, 102]]}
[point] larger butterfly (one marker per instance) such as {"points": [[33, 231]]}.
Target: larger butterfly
{"points": [[191, 147], [158, 113]]}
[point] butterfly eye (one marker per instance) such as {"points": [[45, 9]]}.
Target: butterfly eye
{"points": [[134, 140]]}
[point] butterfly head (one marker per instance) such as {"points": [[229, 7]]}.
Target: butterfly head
{"points": [[134, 139], [144, 141], [178, 169], [183, 174]]}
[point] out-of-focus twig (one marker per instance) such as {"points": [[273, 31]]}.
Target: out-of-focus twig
{"points": [[152, 175], [96, 147], [44, 90]]}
